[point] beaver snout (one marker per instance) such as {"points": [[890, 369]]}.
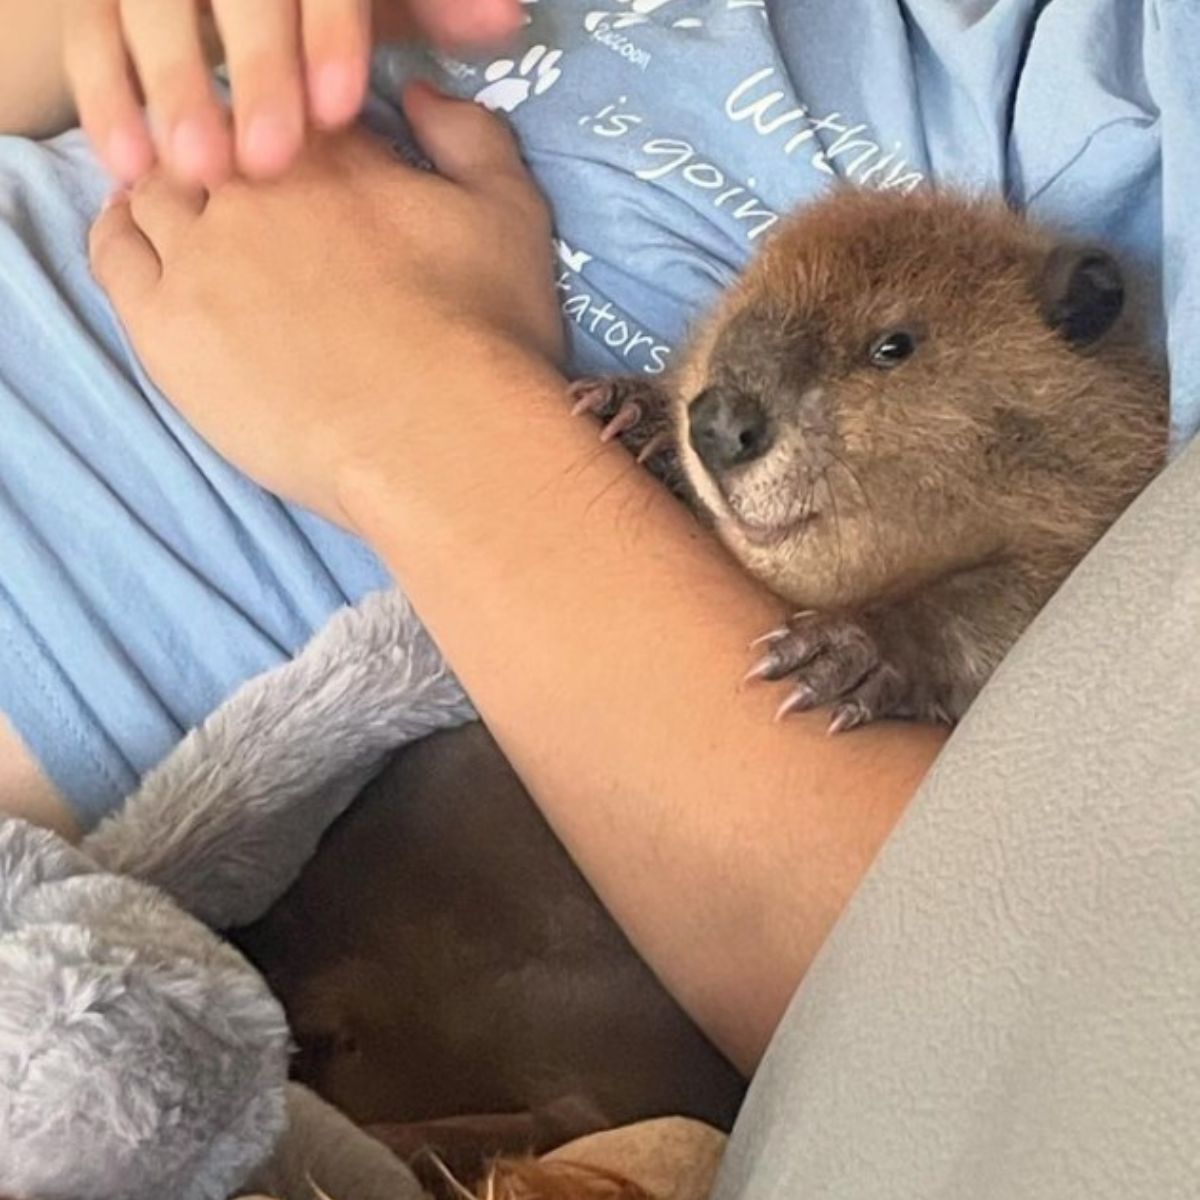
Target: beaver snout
{"points": [[727, 428]]}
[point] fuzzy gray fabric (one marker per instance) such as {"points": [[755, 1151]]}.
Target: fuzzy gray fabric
{"points": [[226, 823], [325, 1149], [140, 1055], [1009, 1008]]}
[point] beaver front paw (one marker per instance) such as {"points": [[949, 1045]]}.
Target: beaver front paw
{"points": [[630, 408], [837, 662]]}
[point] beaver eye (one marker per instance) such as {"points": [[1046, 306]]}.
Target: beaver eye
{"points": [[891, 349]]}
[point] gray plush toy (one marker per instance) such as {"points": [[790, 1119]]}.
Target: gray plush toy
{"points": [[141, 1057]]}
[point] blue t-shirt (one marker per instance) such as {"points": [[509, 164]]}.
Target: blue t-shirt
{"points": [[142, 578]]}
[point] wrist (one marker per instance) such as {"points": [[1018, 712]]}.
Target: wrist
{"points": [[454, 437]]}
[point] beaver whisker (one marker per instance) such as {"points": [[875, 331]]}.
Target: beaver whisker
{"points": [[858, 483], [831, 495]]}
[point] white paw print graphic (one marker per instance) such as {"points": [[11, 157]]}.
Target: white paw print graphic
{"points": [[637, 12], [510, 84], [572, 259]]}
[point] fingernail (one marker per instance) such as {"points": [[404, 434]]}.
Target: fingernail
{"points": [[269, 142], [129, 153], [337, 93], [191, 147]]}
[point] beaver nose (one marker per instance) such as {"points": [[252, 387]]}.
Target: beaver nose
{"points": [[728, 428]]}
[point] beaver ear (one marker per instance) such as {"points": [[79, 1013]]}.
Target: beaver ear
{"points": [[1081, 292]]}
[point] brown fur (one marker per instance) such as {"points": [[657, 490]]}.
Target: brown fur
{"points": [[454, 985], [927, 512], [441, 957]]}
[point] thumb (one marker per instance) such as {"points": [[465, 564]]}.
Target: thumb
{"points": [[465, 142], [123, 261]]}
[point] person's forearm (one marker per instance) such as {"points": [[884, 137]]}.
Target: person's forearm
{"points": [[602, 635], [34, 98], [26, 792]]}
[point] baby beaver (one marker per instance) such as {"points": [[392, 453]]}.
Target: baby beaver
{"points": [[910, 418]]}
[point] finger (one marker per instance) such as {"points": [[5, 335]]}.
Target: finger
{"points": [[188, 123], [164, 210], [467, 22], [392, 21], [337, 47], [101, 81], [464, 141], [262, 51], [123, 261]]}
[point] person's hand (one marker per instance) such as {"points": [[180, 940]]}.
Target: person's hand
{"points": [[290, 321], [292, 64]]}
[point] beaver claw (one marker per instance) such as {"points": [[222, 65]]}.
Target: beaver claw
{"points": [[634, 411], [590, 395], [837, 662], [617, 402]]}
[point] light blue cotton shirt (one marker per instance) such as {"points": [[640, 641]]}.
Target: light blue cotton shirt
{"points": [[142, 578]]}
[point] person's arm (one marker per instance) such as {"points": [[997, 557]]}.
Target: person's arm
{"points": [[602, 635], [34, 98], [601, 632], [293, 64], [26, 792]]}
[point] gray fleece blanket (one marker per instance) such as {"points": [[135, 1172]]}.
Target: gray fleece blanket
{"points": [[226, 823], [141, 1056]]}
